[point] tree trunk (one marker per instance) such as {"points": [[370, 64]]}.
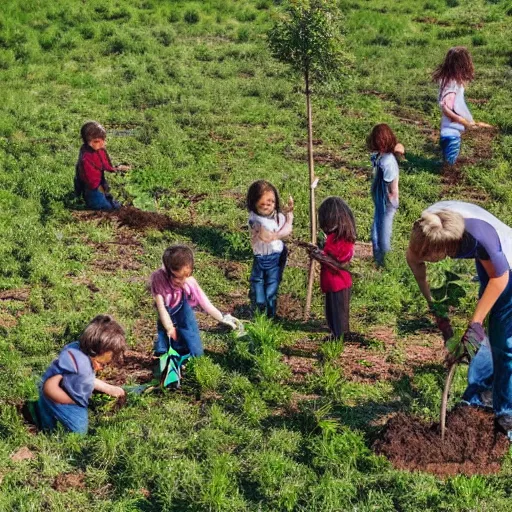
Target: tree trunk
{"points": [[312, 207]]}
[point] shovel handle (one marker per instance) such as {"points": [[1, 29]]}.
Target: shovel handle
{"points": [[444, 401]]}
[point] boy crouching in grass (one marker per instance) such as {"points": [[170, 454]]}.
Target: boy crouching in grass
{"points": [[70, 380]]}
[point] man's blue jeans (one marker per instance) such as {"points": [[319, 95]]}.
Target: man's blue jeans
{"points": [[265, 278], [491, 368], [450, 147], [189, 338], [382, 228], [73, 417], [97, 200]]}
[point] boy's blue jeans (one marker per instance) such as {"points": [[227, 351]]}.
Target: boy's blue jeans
{"points": [[97, 200], [73, 417], [382, 228], [491, 368], [265, 277], [450, 147], [189, 339]]}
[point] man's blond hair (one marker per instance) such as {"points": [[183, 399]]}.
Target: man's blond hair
{"points": [[435, 232]]}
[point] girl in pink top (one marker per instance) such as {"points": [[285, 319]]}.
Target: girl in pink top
{"points": [[337, 222], [176, 292]]}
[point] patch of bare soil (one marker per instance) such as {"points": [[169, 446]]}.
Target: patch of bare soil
{"points": [[66, 481], [21, 294], [135, 366], [363, 361], [363, 250], [301, 367], [414, 118], [142, 220], [471, 445], [131, 217], [120, 253], [391, 361], [289, 307]]}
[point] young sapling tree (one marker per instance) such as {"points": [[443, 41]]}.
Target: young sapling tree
{"points": [[308, 38]]}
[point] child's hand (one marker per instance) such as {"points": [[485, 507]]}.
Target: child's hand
{"points": [[124, 167], [289, 205], [399, 149], [117, 392], [481, 124], [231, 321], [172, 332]]}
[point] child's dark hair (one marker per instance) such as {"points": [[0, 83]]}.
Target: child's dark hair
{"points": [[92, 130], [457, 65], [381, 139], [256, 190], [103, 334], [335, 216], [176, 257]]}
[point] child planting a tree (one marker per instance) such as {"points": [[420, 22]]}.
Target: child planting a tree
{"points": [[336, 220], [384, 187], [462, 230], [453, 75], [268, 225], [93, 161], [176, 292], [70, 380]]}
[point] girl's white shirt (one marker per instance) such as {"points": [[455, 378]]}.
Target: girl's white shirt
{"points": [[449, 127], [277, 223]]}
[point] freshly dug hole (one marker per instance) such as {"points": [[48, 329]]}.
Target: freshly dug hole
{"points": [[139, 219], [471, 445]]}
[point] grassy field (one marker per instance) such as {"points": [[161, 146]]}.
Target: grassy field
{"points": [[191, 98]]}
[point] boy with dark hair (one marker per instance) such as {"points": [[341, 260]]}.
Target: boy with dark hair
{"points": [[70, 380], [93, 161]]}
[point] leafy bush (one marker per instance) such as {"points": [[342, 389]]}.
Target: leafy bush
{"points": [[191, 17]]}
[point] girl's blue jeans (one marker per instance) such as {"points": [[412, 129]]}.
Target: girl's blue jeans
{"points": [[189, 339], [450, 147], [265, 277], [73, 417], [491, 368], [382, 228], [97, 200]]}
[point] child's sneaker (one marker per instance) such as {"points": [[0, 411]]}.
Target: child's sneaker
{"points": [[30, 413], [504, 424]]}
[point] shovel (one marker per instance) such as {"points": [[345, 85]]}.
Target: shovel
{"points": [[444, 400]]}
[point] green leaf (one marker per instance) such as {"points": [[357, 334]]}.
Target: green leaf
{"points": [[439, 293], [451, 276]]}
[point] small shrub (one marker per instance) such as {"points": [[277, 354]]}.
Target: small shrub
{"points": [[478, 40], [452, 3], [263, 5], [191, 17], [174, 17], [207, 374], [242, 35]]}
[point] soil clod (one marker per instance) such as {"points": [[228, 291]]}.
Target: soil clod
{"points": [[472, 445]]}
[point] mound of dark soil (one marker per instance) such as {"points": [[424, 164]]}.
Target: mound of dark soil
{"points": [[139, 219], [471, 444]]}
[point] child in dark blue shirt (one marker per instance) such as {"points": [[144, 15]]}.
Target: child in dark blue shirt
{"points": [[70, 380]]}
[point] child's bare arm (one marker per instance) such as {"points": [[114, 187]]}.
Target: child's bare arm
{"points": [[393, 191], [165, 318], [326, 259], [54, 392], [447, 106], [108, 389]]}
